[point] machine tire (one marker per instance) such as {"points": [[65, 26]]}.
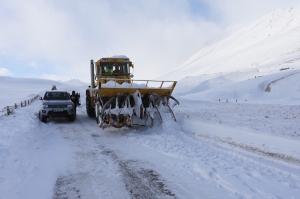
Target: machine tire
{"points": [[89, 110]]}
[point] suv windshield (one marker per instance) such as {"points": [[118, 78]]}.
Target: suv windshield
{"points": [[56, 96]]}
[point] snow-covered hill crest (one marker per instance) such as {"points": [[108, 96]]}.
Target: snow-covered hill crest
{"points": [[13, 90], [75, 82]]}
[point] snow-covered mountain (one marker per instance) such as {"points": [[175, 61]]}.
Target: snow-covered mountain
{"points": [[75, 82], [256, 56], [265, 46]]}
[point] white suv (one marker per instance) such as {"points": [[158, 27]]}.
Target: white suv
{"points": [[57, 104]]}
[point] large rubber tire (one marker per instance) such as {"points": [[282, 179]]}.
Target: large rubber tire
{"points": [[89, 110]]}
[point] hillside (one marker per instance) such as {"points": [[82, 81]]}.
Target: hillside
{"points": [[28, 87], [241, 65], [264, 47]]}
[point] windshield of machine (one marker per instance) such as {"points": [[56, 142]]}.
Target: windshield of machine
{"points": [[109, 67], [56, 96]]}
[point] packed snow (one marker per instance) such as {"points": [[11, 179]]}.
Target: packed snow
{"points": [[237, 133], [112, 83]]}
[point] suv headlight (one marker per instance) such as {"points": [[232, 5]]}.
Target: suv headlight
{"points": [[44, 106], [70, 105]]}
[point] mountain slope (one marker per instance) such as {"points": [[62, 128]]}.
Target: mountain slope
{"points": [[265, 46]]}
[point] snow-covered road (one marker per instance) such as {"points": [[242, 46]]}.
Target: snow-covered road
{"points": [[237, 134], [197, 157]]}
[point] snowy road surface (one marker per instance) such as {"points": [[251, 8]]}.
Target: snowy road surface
{"points": [[247, 148], [211, 152]]}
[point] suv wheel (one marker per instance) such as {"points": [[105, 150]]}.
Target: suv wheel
{"points": [[43, 118], [72, 118]]}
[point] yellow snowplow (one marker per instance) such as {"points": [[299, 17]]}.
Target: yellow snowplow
{"points": [[115, 99]]}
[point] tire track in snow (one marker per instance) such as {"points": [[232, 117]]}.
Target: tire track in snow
{"points": [[278, 156], [92, 175], [222, 166], [139, 182]]}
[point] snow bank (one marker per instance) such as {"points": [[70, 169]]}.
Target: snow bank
{"points": [[146, 84], [284, 89], [30, 155]]}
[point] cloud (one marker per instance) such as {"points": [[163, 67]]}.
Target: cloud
{"points": [[5, 72], [32, 64], [156, 35]]}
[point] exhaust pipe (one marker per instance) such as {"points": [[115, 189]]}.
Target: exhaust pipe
{"points": [[92, 74]]}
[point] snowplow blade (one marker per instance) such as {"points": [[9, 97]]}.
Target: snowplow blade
{"points": [[120, 103]]}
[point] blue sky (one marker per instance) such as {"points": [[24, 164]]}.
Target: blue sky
{"points": [[56, 39]]}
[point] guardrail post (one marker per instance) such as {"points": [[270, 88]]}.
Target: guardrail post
{"points": [[8, 111]]}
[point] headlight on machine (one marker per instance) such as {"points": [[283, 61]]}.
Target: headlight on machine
{"points": [[44, 106], [70, 105]]}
